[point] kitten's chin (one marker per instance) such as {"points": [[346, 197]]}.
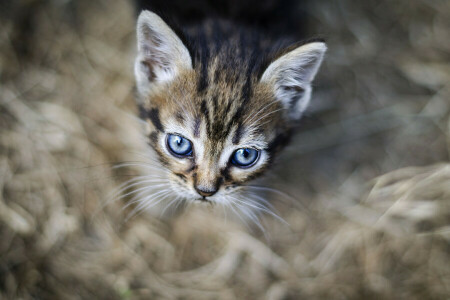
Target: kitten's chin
{"points": [[202, 200]]}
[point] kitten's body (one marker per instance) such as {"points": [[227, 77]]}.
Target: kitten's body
{"points": [[228, 91]]}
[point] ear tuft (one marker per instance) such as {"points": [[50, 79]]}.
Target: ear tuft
{"points": [[161, 53], [292, 74]]}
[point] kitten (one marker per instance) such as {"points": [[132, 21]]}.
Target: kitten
{"points": [[219, 100]]}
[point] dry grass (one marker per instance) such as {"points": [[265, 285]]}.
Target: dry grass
{"points": [[370, 167]]}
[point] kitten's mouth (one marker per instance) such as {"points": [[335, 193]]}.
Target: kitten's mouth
{"points": [[202, 199]]}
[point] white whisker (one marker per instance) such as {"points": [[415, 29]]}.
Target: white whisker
{"points": [[168, 205], [146, 197], [252, 116], [252, 216], [224, 206], [143, 197], [290, 199], [144, 205], [261, 207], [145, 188], [146, 156], [138, 164], [264, 116], [119, 190], [179, 202], [231, 205], [130, 185], [261, 199]]}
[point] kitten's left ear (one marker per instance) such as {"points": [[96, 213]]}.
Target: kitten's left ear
{"points": [[161, 53], [291, 76]]}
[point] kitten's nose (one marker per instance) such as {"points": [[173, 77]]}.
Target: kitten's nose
{"points": [[205, 192]]}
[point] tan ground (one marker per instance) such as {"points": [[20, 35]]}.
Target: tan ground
{"points": [[369, 169]]}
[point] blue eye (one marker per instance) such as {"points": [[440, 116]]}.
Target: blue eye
{"points": [[244, 157], [178, 145]]}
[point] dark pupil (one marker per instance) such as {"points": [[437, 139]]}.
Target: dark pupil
{"points": [[179, 141], [246, 153]]}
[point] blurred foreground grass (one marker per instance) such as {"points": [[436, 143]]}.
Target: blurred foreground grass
{"points": [[370, 167]]}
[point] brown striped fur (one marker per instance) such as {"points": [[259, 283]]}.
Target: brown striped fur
{"points": [[222, 89]]}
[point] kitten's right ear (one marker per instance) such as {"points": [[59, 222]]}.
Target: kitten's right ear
{"points": [[161, 53]]}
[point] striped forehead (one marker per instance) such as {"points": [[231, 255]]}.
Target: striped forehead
{"points": [[217, 117], [222, 114], [228, 108], [216, 133]]}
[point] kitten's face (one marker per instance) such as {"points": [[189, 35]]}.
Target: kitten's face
{"points": [[213, 141], [214, 127]]}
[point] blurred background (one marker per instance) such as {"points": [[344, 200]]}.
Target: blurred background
{"points": [[368, 173]]}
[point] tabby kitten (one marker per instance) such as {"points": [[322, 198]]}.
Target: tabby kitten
{"points": [[219, 101]]}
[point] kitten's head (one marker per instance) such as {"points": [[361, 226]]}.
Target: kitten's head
{"points": [[218, 114]]}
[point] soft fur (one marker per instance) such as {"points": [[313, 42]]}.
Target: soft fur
{"points": [[223, 87]]}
